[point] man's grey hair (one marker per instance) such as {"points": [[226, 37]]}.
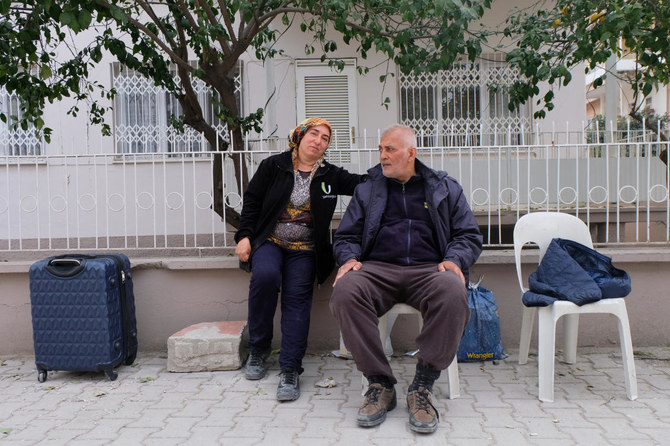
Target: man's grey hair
{"points": [[409, 136]]}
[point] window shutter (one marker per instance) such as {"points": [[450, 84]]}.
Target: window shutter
{"points": [[329, 94], [328, 97]]}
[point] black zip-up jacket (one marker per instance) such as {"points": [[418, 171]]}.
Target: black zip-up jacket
{"points": [[269, 192], [455, 225]]}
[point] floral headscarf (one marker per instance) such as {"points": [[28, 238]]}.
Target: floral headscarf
{"points": [[296, 135]]}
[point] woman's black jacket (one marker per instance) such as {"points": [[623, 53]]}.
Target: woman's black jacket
{"points": [[269, 192]]}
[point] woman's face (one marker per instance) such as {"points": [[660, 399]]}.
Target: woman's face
{"points": [[314, 143]]}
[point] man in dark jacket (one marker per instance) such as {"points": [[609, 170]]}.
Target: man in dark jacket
{"points": [[408, 236]]}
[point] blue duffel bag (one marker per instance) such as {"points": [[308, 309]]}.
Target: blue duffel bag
{"points": [[481, 339]]}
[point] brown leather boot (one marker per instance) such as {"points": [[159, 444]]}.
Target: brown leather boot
{"points": [[423, 417], [378, 400]]}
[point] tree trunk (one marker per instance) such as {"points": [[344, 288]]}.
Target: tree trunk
{"points": [[232, 217], [193, 117]]}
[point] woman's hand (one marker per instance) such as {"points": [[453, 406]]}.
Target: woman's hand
{"points": [[243, 249]]}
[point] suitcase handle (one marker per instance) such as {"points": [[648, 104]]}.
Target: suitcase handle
{"points": [[65, 267]]}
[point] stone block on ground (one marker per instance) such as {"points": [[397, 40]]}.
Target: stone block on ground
{"points": [[208, 346]]}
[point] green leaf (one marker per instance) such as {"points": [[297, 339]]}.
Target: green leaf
{"points": [[5, 430], [45, 72], [66, 19], [118, 14], [84, 18], [4, 6]]}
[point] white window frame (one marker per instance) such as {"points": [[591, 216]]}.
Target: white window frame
{"points": [[458, 107], [16, 141], [142, 115]]}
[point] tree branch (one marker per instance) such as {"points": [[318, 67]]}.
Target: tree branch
{"points": [[212, 20], [154, 18], [183, 46], [156, 39], [227, 22], [187, 13]]}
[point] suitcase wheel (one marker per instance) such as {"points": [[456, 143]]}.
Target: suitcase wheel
{"points": [[130, 359], [111, 373], [41, 375]]}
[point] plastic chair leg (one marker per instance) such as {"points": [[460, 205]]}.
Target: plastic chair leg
{"points": [[570, 331], [630, 376], [526, 332], [454, 382], [343, 348], [386, 323], [546, 351]]}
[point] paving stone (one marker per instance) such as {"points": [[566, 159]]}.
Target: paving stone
{"points": [[207, 346], [220, 417], [63, 436], [108, 430], [619, 429], [506, 436], [544, 427], [203, 435], [288, 417], [471, 428], [151, 417], [248, 427], [176, 427], [588, 435], [488, 398], [468, 442], [223, 408], [319, 428], [309, 441]]}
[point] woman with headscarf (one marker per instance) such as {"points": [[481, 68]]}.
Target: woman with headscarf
{"points": [[283, 240]]}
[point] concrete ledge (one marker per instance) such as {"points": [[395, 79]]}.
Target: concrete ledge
{"points": [[207, 346], [227, 260], [173, 291]]}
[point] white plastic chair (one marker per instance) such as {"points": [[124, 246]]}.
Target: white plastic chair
{"points": [[540, 228], [386, 325]]}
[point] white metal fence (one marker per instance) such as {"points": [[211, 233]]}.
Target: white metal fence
{"points": [[163, 200]]}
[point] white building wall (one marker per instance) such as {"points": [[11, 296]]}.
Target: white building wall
{"points": [[569, 110], [371, 93]]}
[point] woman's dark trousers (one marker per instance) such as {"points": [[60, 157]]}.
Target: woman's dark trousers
{"points": [[274, 268]]}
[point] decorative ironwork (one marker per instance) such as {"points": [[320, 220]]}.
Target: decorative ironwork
{"points": [[457, 107], [144, 114], [14, 140]]}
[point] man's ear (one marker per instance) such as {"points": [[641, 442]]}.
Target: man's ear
{"points": [[412, 152]]}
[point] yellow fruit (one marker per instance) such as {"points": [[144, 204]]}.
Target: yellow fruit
{"points": [[557, 22], [598, 16]]}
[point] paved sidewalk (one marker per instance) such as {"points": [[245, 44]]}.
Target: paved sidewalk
{"points": [[147, 405]]}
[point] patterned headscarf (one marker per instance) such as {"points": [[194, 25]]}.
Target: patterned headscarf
{"points": [[296, 135]]}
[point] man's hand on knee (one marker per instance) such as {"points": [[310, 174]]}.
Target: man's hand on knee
{"points": [[451, 266], [348, 266]]}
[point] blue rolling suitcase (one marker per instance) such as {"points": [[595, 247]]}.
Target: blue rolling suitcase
{"points": [[83, 313]]}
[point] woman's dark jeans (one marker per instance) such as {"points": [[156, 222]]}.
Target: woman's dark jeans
{"points": [[274, 268]]}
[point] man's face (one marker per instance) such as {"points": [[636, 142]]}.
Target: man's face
{"points": [[315, 142], [396, 158]]}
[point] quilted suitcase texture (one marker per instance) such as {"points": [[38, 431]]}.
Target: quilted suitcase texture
{"points": [[83, 313]]}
